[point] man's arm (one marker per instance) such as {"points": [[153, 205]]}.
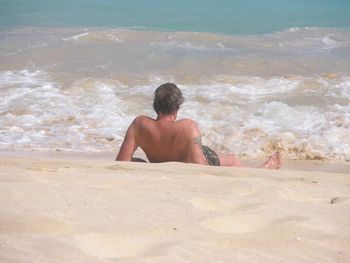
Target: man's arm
{"points": [[195, 152], [129, 145]]}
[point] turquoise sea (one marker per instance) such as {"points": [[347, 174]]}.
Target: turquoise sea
{"points": [[224, 16], [257, 76]]}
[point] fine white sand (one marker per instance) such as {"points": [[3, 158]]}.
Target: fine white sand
{"points": [[79, 210]]}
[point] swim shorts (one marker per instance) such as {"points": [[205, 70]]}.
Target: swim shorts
{"points": [[211, 156]]}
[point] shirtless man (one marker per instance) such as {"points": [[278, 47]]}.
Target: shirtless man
{"points": [[165, 139]]}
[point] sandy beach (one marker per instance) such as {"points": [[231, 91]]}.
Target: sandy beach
{"points": [[256, 76], [83, 210]]}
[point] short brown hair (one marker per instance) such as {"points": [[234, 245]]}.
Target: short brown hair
{"points": [[167, 98]]}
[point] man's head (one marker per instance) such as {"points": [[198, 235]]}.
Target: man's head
{"points": [[167, 99]]}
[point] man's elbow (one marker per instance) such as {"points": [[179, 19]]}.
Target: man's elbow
{"points": [[198, 160], [122, 158], [201, 161]]}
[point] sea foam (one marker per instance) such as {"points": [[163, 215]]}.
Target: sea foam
{"points": [[250, 116], [250, 94]]}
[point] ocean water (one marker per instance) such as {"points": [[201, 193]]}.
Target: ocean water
{"points": [[74, 75], [224, 16]]}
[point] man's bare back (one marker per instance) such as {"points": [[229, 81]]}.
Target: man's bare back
{"points": [[165, 139]]}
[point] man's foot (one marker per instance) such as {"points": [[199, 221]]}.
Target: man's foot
{"points": [[274, 162]]}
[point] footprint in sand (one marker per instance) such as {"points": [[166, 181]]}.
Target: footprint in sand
{"points": [[34, 225], [211, 204], [243, 188], [237, 224], [105, 245], [117, 167], [300, 193], [339, 199], [215, 204]]}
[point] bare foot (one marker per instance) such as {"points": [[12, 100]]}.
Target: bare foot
{"points": [[274, 162]]}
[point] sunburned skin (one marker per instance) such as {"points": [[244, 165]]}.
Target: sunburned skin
{"points": [[197, 140], [163, 140]]}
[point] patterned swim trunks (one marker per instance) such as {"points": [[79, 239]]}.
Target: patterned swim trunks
{"points": [[211, 156]]}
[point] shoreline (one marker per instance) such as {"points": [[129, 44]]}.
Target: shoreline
{"points": [[330, 166], [87, 29]]}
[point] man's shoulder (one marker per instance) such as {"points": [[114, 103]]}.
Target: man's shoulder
{"points": [[188, 123], [140, 121], [142, 118]]}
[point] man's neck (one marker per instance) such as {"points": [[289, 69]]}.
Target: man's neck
{"points": [[168, 117]]}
